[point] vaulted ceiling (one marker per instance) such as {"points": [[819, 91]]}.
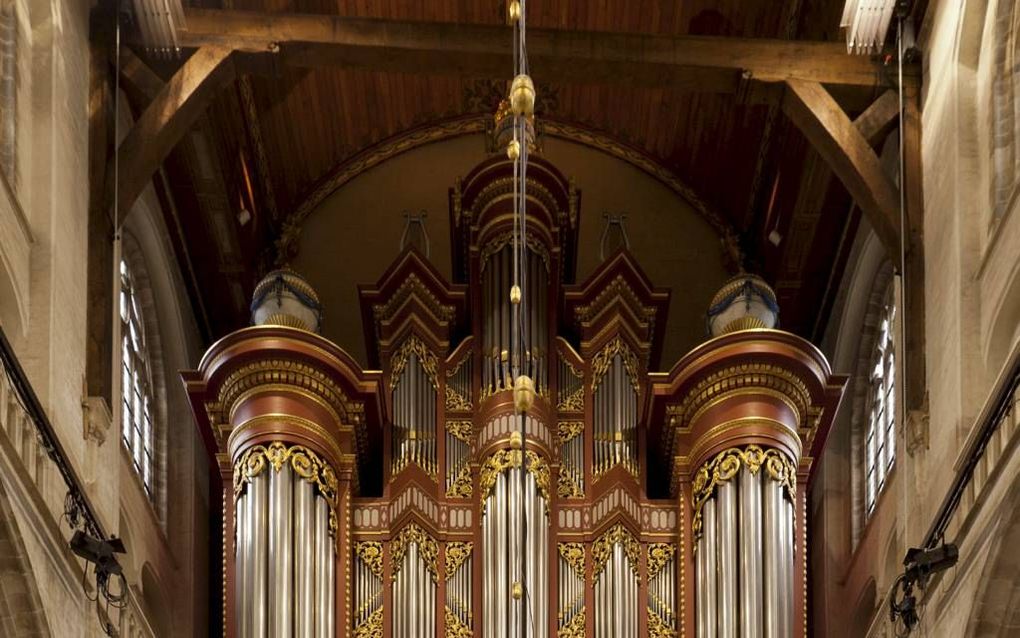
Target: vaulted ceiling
{"points": [[281, 135]]}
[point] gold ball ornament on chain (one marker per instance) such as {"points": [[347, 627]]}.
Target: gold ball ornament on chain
{"points": [[516, 440], [514, 11], [515, 294], [513, 150], [524, 393], [522, 95]]}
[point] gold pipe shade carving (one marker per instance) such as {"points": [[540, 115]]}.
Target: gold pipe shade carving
{"points": [[726, 464], [371, 553], [503, 460], [427, 546], [308, 465], [602, 549]]}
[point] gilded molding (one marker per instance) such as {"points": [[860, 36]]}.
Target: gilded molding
{"points": [[566, 486], [618, 287], [658, 555], [371, 554], [457, 553], [461, 486], [502, 460], [306, 464], [428, 360], [372, 627], [495, 244], [567, 430], [573, 553], [602, 549], [428, 549], [462, 430], [279, 373], [573, 629], [455, 628], [604, 359], [292, 422], [728, 463], [456, 402]]}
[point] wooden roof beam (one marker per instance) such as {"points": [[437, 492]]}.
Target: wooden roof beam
{"points": [[703, 63], [830, 131]]}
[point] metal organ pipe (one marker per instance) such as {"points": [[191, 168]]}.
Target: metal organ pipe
{"points": [[727, 563], [304, 567], [750, 554], [259, 554]]}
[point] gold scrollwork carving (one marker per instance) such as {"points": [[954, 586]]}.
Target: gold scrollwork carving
{"points": [[602, 549], [456, 402], [457, 554], [725, 465], [503, 460], [573, 553], [371, 627], [308, 465], [371, 554], [658, 555], [604, 359], [657, 627], [428, 549], [461, 430], [574, 628], [567, 430], [461, 486], [455, 627], [574, 402], [413, 345], [566, 486]]}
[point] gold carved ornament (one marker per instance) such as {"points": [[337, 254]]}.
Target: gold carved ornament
{"points": [[503, 460], [658, 555], [461, 430], [371, 554], [372, 627], [568, 430], [573, 553], [457, 553], [657, 627], [604, 360], [574, 402], [461, 486], [428, 549], [455, 627], [413, 345], [566, 486], [306, 464], [725, 466], [602, 549], [575, 628], [456, 402]]}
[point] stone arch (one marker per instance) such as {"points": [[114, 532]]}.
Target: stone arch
{"points": [[881, 288], [21, 610], [864, 610], [996, 610]]}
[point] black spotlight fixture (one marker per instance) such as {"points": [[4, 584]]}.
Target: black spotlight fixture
{"points": [[920, 564]]}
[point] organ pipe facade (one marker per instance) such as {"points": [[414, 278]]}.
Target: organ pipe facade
{"points": [[402, 501]]}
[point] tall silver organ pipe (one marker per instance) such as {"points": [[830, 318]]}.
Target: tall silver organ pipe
{"points": [[497, 278], [615, 419], [745, 545], [285, 546], [570, 620], [414, 411], [414, 584], [616, 584], [367, 588], [502, 552]]}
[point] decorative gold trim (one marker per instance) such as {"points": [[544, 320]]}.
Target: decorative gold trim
{"points": [[602, 549], [456, 402], [455, 627], [461, 486], [748, 322], [573, 553], [372, 627], [618, 287], [282, 319], [371, 554], [737, 282], [566, 486], [284, 373], [604, 359], [657, 627], [457, 553], [567, 430], [428, 549], [495, 244], [502, 460], [306, 464], [658, 555], [574, 402], [725, 466], [292, 421], [573, 629], [428, 360], [461, 429]]}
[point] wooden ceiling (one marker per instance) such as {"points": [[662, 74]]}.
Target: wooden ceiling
{"points": [[279, 131]]}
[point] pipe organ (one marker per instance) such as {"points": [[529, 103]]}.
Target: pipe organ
{"points": [[402, 501]]}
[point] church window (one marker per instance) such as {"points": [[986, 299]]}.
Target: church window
{"points": [[880, 436], [138, 405]]}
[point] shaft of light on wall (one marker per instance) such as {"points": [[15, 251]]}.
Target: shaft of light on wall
{"points": [[866, 23]]}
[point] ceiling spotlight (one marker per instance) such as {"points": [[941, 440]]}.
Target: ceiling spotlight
{"points": [[98, 552]]}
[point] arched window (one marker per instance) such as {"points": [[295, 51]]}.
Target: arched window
{"points": [[880, 434], [1005, 121], [138, 405]]}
